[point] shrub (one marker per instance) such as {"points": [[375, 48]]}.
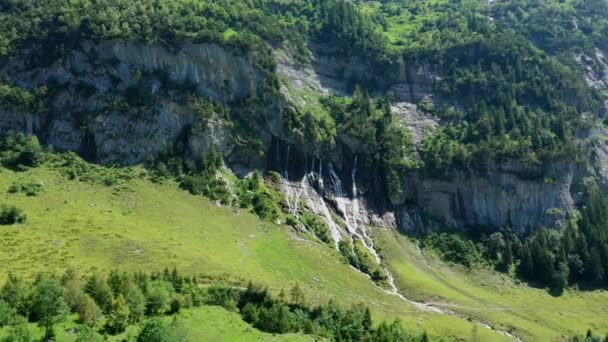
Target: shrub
{"points": [[10, 215], [158, 298], [19, 332], [7, 314], [30, 189], [318, 226], [155, 330], [88, 311], [454, 248]]}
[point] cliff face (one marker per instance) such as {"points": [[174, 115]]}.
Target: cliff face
{"points": [[89, 113], [497, 198], [119, 102]]}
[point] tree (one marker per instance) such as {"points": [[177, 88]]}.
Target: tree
{"points": [[155, 330], [19, 332], [118, 319], [136, 302], [7, 314], [297, 295], [367, 319], [89, 311], [48, 304], [74, 295], [158, 298], [100, 291], [559, 279], [506, 257], [15, 293], [526, 266], [87, 334]]}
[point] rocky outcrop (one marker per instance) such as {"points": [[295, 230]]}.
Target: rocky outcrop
{"points": [[94, 88], [215, 71], [497, 199], [503, 195], [418, 123], [595, 69], [415, 83]]}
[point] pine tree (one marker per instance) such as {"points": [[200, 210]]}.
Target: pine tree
{"points": [[526, 266], [297, 295], [118, 318]]}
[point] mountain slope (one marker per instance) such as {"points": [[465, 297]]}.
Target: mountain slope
{"points": [[139, 226]]}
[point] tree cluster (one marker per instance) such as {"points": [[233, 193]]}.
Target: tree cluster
{"points": [[109, 304]]}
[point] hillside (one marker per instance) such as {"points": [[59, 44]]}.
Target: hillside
{"points": [[442, 162], [139, 225]]}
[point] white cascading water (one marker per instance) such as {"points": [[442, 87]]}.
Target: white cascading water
{"points": [[341, 201], [285, 185], [294, 192], [320, 175]]}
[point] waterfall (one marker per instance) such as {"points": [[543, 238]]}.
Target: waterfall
{"points": [[321, 174], [341, 201], [287, 163], [355, 195], [303, 183], [285, 181]]}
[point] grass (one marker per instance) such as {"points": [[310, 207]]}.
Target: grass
{"points": [[139, 225], [497, 299]]}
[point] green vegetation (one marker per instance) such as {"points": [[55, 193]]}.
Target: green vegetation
{"points": [[481, 293], [562, 28], [575, 255], [500, 95], [11, 215], [453, 248], [254, 194], [30, 189], [506, 84], [140, 224], [206, 180], [122, 299], [360, 258], [318, 226], [387, 145], [12, 97], [503, 91], [19, 151]]}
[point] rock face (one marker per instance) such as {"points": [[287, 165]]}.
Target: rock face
{"points": [[213, 70], [497, 199], [89, 113]]}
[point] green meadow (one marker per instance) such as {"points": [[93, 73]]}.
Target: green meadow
{"points": [[491, 297]]}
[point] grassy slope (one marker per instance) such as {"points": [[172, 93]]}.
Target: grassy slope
{"points": [[495, 298], [141, 225]]}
